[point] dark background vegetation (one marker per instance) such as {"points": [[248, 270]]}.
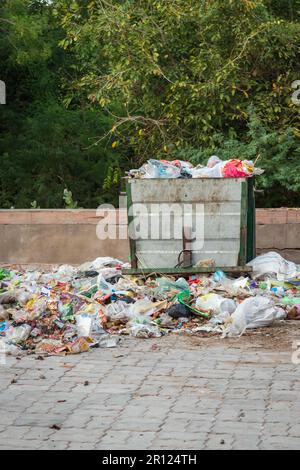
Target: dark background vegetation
{"points": [[95, 87]]}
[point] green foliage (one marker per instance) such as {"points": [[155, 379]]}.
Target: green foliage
{"points": [[34, 205], [186, 70], [277, 153], [68, 198], [89, 81], [44, 146]]}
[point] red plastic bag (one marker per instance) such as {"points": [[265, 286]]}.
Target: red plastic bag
{"points": [[234, 169]]}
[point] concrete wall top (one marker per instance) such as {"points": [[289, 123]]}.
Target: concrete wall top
{"points": [[91, 216], [56, 216]]}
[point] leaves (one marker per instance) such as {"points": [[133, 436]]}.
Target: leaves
{"points": [[193, 69], [95, 87], [47, 132]]}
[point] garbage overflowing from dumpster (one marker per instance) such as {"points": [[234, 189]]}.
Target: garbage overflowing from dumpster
{"points": [[215, 168], [70, 310]]}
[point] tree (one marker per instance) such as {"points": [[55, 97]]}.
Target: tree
{"points": [[89, 81], [46, 139], [188, 77], [183, 70]]}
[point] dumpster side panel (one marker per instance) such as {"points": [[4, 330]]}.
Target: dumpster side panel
{"points": [[209, 209]]}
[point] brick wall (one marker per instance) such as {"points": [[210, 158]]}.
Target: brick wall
{"points": [[279, 230]]}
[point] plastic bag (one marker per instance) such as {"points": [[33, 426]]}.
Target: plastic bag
{"points": [[233, 168], [165, 320], [84, 325], [21, 316], [18, 334], [65, 272], [9, 349], [178, 310], [208, 172], [165, 284], [273, 263], [104, 285], [100, 263], [66, 311], [216, 303], [220, 319], [206, 263], [118, 311], [145, 330], [237, 169], [158, 169], [4, 325], [109, 273], [235, 286], [218, 276], [143, 307], [213, 161], [290, 300], [254, 312], [23, 297], [108, 341], [8, 297], [36, 306]]}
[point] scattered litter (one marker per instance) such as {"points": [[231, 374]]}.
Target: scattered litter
{"points": [[73, 310]]}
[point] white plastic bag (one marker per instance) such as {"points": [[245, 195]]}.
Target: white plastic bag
{"points": [[273, 263], [100, 263], [118, 310], [108, 273], [213, 161], [84, 325], [18, 334], [208, 172], [8, 349], [216, 303], [104, 285], [143, 307], [234, 286], [254, 312], [108, 341]]}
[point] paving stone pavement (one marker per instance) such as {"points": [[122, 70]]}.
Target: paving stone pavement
{"points": [[174, 392]]}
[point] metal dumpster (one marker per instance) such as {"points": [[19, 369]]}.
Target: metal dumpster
{"points": [[195, 219]]}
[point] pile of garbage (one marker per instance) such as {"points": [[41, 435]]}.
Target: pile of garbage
{"points": [[215, 168], [70, 310]]}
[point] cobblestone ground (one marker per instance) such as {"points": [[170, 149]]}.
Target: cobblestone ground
{"points": [[175, 392]]}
